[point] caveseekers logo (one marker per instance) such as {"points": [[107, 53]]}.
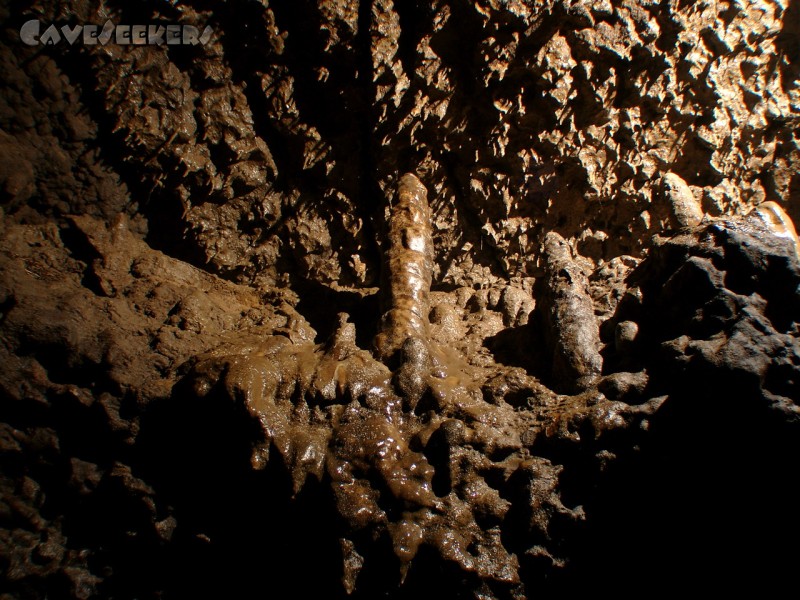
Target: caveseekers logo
{"points": [[33, 33]]}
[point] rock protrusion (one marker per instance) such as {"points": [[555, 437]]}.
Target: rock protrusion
{"points": [[570, 324], [408, 266]]}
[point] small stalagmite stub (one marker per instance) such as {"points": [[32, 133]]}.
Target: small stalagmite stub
{"points": [[684, 209]]}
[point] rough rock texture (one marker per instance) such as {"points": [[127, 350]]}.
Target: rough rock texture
{"points": [[599, 391]]}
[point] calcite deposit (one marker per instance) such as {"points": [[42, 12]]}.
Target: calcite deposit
{"points": [[371, 298]]}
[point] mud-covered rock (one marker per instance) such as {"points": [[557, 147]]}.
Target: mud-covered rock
{"points": [[94, 326], [197, 245], [568, 314]]}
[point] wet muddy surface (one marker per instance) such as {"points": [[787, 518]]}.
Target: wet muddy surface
{"points": [[366, 299]]}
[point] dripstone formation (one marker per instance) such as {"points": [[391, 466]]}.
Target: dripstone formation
{"points": [[382, 299]]}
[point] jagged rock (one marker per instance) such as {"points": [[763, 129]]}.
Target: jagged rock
{"points": [[193, 244]]}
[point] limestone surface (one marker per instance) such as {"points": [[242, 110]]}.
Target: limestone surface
{"points": [[384, 299]]}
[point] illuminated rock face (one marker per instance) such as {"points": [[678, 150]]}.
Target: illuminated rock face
{"points": [[333, 412], [408, 268], [561, 356]]}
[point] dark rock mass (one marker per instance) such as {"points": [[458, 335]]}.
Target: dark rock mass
{"points": [[460, 299]]}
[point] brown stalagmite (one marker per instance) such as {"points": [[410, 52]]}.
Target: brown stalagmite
{"points": [[408, 269], [569, 318]]}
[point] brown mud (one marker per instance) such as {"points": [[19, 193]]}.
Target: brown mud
{"points": [[401, 300]]}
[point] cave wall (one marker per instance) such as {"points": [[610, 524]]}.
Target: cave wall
{"points": [[276, 144], [163, 202]]}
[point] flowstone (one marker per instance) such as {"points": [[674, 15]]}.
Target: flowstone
{"points": [[419, 446]]}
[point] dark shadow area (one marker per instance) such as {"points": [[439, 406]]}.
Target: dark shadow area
{"points": [[706, 505], [321, 305], [238, 531], [523, 347]]}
